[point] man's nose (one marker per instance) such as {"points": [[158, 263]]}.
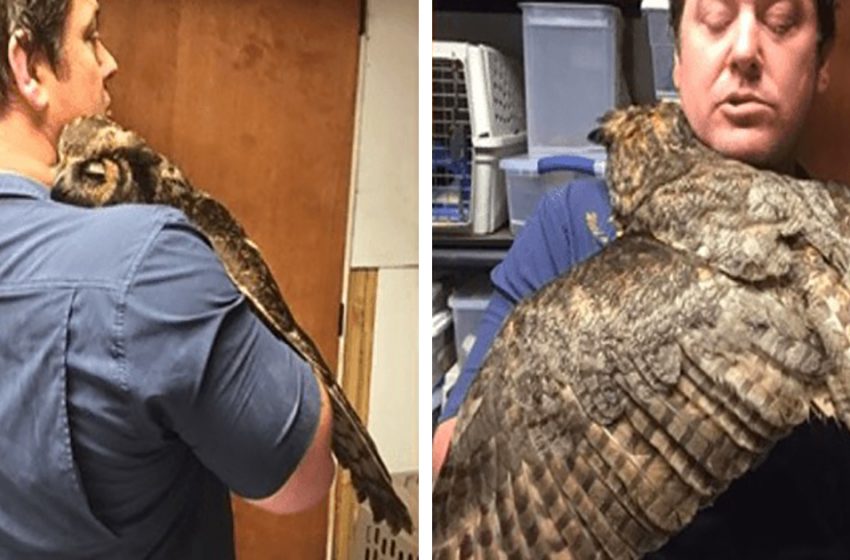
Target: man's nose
{"points": [[746, 49], [108, 64]]}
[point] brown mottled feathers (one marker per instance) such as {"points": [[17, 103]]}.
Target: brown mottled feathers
{"points": [[628, 394], [103, 164]]}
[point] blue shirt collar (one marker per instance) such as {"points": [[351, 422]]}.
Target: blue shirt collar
{"points": [[12, 184]]}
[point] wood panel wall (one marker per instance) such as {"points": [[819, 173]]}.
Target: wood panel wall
{"points": [[357, 361], [255, 100]]}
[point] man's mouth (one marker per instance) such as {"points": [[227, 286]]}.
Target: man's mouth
{"points": [[742, 99], [744, 106], [739, 98]]}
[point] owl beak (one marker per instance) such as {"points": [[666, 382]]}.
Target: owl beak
{"points": [[596, 136], [58, 189]]}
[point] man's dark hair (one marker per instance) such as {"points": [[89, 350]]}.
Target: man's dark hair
{"points": [[42, 23], [826, 23]]}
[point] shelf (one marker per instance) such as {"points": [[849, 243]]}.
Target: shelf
{"points": [[467, 258], [489, 6], [629, 7], [470, 251], [500, 239]]}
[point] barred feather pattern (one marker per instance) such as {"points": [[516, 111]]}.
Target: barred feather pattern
{"points": [[103, 164], [629, 393]]}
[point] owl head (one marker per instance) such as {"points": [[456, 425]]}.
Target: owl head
{"points": [[648, 146], [101, 163]]}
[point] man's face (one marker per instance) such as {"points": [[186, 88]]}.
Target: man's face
{"points": [[79, 85], [747, 71]]}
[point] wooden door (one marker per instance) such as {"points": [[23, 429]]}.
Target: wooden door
{"points": [[255, 100], [825, 147]]}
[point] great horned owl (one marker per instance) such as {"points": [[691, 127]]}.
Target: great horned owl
{"points": [[101, 163], [629, 393]]}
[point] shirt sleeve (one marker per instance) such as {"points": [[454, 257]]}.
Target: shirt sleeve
{"points": [[556, 237], [205, 370]]}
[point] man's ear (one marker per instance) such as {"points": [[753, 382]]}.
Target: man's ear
{"points": [[23, 70]]}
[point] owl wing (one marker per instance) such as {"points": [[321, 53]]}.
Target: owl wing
{"points": [[351, 442], [616, 403]]}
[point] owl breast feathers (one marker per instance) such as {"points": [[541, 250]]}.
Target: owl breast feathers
{"points": [[628, 394]]}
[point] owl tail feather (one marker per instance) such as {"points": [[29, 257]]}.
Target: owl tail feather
{"points": [[356, 451]]}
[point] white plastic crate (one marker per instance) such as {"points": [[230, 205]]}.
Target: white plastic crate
{"points": [[573, 71], [468, 304], [526, 185], [470, 196], [661, 41], [477, 117], [478, 92], [374, 541]]}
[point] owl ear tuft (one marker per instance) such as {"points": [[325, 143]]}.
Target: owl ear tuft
{"points": [[143, 155]]}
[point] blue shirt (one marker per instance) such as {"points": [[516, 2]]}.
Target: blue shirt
{"points": [[136, 386], [795, 505]]}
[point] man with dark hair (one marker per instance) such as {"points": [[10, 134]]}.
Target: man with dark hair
{"points": [[746, 71], [137, 387]]}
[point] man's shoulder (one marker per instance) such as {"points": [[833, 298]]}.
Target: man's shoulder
{"points": [[578, 212], [574, 200], [102, 245], [569, 224], [131, 221]]}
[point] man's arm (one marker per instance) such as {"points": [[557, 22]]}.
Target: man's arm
{"points": [[204, 367], [310, 482], [440, 445]]}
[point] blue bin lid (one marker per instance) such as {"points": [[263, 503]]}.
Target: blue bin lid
{"points": [[529, 164]]}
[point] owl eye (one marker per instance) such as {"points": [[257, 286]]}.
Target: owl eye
{"points": [[95, 170]]}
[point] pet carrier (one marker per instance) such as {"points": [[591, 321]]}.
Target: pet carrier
{"points": [[478, 117]]}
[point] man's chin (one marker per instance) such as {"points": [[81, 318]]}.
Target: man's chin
{"points": [[757, 147]]}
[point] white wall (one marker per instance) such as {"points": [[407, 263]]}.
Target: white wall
{"points": [[385, 206], [384, 229], [393, 403]]}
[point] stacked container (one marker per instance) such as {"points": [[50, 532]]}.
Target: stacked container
{"points": [[443, 354], [657, 14], [468, 303], [573, 72], [529, 177], [573, 75]]}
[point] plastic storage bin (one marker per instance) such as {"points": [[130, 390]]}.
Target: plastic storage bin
{"points": [[573, 72], [374, 541], [442, 339], [527, 182], [468, 303], [478, 117], [443, 354], [439, 297], [663, 46]]}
